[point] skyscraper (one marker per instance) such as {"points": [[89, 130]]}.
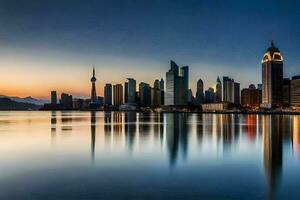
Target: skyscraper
{"points": [[272, 77], [118, 94], [176, 85], [199, 93], [228, 89], [162, 91], [53, 98], [93, 91], [156, 94], [219, 90], [131, 91], [108, 94], [145, 94], [237, 91], [209, 95]]}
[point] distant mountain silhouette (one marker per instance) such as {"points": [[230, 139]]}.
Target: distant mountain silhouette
{"points": [[8, 104], [28, 99]]}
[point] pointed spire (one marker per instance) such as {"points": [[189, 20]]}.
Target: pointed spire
{"points": [[93, 71], [272, 44]]}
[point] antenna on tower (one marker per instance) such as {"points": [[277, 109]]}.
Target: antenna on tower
{"points": [[93, 70]]}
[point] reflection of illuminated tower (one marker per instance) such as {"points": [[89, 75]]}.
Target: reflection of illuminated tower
{"points": [[272, 150], [93, 134], [272, 77], [93, 93]]}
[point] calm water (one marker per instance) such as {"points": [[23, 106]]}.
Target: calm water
{"points": [[119, 155]]}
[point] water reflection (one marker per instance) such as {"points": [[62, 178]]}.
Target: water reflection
{"points": [[268, 138], [93, 134]]}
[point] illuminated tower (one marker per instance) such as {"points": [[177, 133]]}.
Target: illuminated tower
{"points": [[272, 77], [93, 92]]}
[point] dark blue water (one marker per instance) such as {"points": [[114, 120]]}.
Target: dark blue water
{"points": [[119, 155]]}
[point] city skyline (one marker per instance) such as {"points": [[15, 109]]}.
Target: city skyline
{"points": [[57, 43]]}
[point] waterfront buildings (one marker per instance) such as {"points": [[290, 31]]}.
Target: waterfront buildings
{"points": [[237, 91], [212, 107], [295, 91], [272, 78], [53, 97], [156, 92], [210, 95], [251, 97], [66, 101], [199, 92], [286, 90], [130, 91], [145, 94], [177, 85], [118, 94], [219, 90], [108, 94]]}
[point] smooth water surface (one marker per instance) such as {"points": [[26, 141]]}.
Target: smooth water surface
{"points": [[128, 155]]}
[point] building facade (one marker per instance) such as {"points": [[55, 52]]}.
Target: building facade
{"points": [[295, 91], [53, 97], [219, 90], [108, 94], [145, 94], [177, 85], [199, 93], [286, 90], [272, 78], [118, 94], [251, 97], [130, 91]]}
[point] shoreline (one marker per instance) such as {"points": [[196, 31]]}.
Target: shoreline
{"points": [[168, 111]]}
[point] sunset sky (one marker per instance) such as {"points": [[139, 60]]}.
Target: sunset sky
{"points": [[52, 45]]}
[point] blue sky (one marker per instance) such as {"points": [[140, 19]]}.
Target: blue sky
{"points": [[137, 39]]}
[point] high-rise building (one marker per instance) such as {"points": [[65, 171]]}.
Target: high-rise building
{"points": [[286, 89], [219, 90], [228, 89], [237, 91], [66, 101], [156, 94], [93, 91], [190, 97], [272, 77], [53, 98], [231, 90], [199, 92], [295, 91], [162, 91], [210, 95], [251, 97], [162, 84], [145, 94], [118, 94], [108, 94], [131, 91], [125, 92], [177, 85]]}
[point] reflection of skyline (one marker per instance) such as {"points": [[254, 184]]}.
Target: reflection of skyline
{"points": [[130, 129], [176, 136], [272, 150], [93, 134], [172, 131]]}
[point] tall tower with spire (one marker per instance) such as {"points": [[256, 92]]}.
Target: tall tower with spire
{"points": [[93, 92]]}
